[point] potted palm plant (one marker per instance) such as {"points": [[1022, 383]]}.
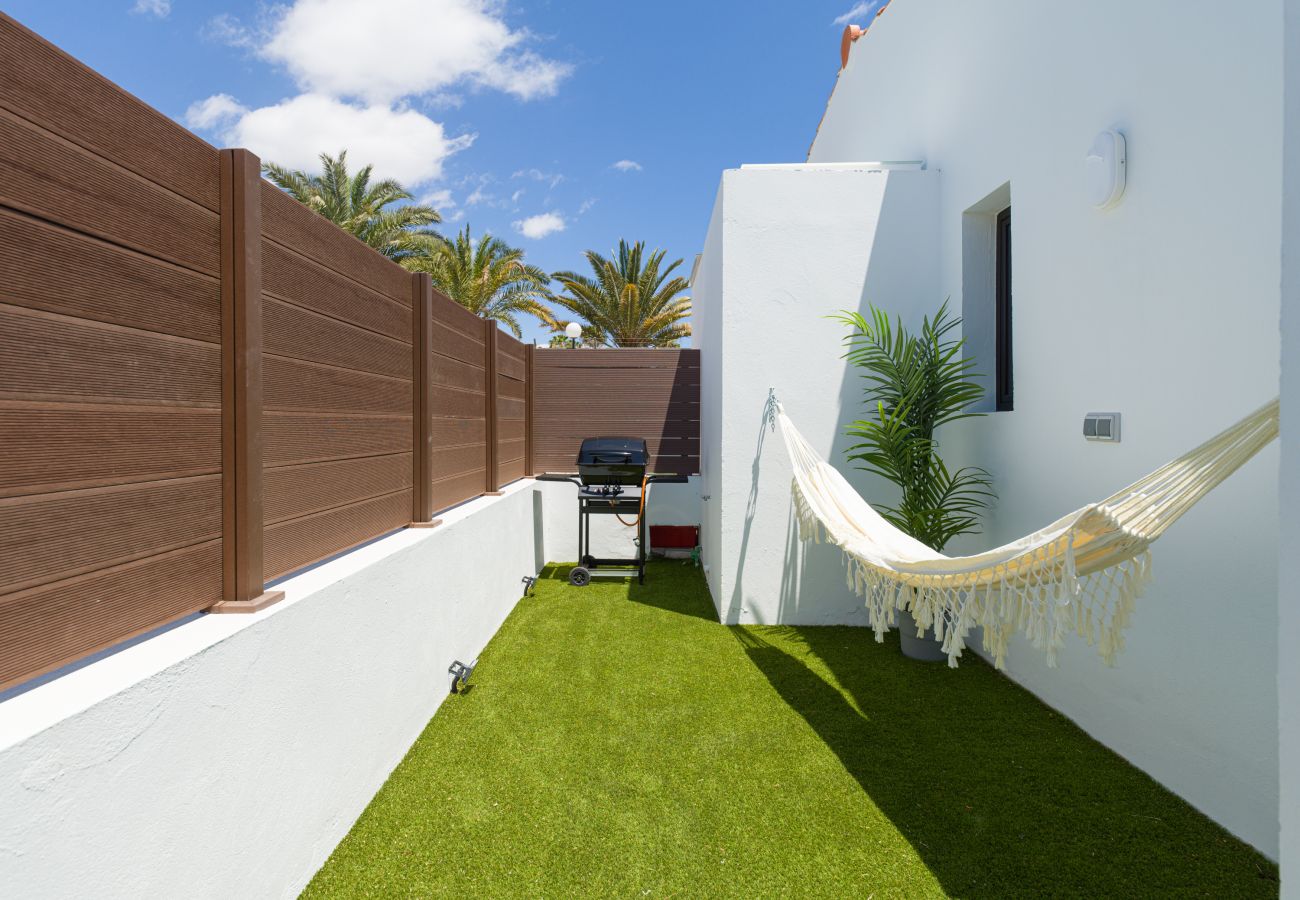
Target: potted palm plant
{"points": [[914, 384]]}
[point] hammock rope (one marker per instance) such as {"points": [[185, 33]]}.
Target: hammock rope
{"points": [[1082, 573]]}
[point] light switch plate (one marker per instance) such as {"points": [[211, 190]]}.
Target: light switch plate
{"points": [[1101, 426]]}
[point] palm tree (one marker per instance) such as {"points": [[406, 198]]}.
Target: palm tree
{"points": [[488, 277], [631, 301], [357, 206]]}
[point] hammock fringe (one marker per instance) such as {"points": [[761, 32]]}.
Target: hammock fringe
{"points": [[1045, 603]]}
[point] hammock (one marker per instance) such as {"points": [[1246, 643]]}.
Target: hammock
{"points": [[1082, 573]]}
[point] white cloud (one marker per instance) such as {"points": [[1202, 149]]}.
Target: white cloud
{"points": [[445, 204], [217, 112], [586, 205], [483, 193], [441, 200], [400, 143], [627, 165], [354, 96], [227, 29], [859, 10], [159, 8], [347, 48], [540, 225], [554, 179]]}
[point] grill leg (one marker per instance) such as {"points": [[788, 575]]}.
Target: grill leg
{"points": [[641, 548], [586, 540]]}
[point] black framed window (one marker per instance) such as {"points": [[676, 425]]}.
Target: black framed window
{"points": [[1005, 393]]}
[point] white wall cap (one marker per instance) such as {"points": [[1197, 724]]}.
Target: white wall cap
{"points": [[913, 165]]}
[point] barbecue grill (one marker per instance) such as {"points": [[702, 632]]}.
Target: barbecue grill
{"points": [[612, 461], [608, 468]]}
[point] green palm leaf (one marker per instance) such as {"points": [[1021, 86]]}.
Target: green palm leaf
{"points": [[488, 277], [362, 209], [916, 383], [629, 300]]}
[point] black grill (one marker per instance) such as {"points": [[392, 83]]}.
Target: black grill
{"points": [[612, 460], [606, 465]]}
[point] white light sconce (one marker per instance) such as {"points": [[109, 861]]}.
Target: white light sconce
{"points": [[1106, 165]]}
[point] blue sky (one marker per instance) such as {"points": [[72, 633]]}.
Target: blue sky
{"points": [[560, 126]]}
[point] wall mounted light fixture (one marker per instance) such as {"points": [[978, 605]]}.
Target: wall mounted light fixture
{"points": [[1106, 165], [460, 674]]}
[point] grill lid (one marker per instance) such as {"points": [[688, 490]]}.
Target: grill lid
{"points": [[612, 460], [613, 451]]}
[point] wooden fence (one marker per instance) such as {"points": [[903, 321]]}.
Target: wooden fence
{"points": [[653, 394], [205, 386]]}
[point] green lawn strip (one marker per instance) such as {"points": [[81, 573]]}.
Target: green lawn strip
{"points": [[618, 741]]}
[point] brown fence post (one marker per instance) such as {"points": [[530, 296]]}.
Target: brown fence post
{"points": [[490, 398], [528, 408], [242, 587], [422, 401]]}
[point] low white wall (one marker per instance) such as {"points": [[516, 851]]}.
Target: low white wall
{"points": [[667, 504], [228, 756]]}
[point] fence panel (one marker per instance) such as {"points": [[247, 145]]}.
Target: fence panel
{"points": [[337, 385], [650, 394], [110, 363], [511, 408], [458, 462], [205, 385]]}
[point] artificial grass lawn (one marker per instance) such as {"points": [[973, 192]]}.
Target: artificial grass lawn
{"points": [[619, 742]]}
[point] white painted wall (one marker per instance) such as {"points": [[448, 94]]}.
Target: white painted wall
{"points": [[1164, 308], [227, 757], [793, 245], [1288, 670], [667, 504], [707, 332]]}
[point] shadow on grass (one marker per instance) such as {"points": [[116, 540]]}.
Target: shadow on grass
{"points": [[999, 794], [671, 585]]}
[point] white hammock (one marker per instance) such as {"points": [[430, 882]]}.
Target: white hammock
{"points": [[1082, 573]]}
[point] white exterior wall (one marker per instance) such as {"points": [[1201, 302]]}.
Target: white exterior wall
{"points": [[793, 245], [228, 756], [706, 300], [1164, 308], [1288, 675], [668, 504]]}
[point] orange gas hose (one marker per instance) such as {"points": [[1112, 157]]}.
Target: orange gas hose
{"points": [[640, 510]]}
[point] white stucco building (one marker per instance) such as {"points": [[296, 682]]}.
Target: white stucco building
{"points": [[1163, 308]]}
